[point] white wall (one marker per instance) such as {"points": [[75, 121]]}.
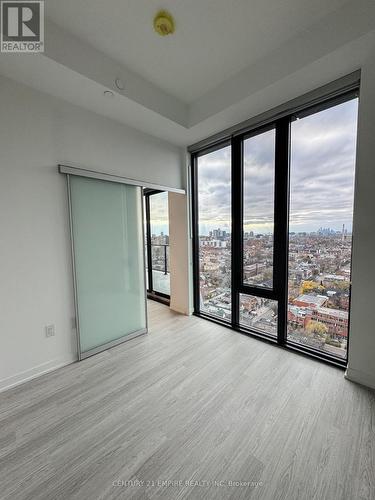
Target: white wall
{"points": [[361, 366], [37, 132]]}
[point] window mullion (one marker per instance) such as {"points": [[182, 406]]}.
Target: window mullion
{"points": [[236, 236], [282, 160]]}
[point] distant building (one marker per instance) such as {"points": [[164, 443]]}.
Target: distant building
{"points": [[334, 277], [326, 231], [307, 300], [335, 320], [253, 269], [297, 316], [214, 243]]}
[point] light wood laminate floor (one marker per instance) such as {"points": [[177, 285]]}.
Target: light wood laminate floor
{"points": [[191, 401]]}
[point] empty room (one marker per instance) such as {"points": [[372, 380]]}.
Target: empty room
{"points": [[187, 249]]}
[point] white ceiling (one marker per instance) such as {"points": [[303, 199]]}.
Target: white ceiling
{"points": [[214, 39], [228, 61]]}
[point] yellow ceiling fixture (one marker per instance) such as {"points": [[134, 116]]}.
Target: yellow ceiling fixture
{"points": [[164, 23]]}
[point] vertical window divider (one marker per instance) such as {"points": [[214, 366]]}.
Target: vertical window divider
{"points": [[236, 231], [194, 212], [281, 238]]}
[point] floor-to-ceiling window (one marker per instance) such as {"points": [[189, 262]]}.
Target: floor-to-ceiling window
{"points": [[214, 232], [272, 213], [258, 220], [323, 148], [157, 244]]}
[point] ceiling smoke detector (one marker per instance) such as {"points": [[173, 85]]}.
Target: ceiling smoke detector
{"points": [[164, 23]]}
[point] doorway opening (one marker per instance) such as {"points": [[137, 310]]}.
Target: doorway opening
{"points": [[156, 221]]}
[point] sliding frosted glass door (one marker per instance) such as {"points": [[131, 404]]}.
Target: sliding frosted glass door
{"points": [[108, 253]]}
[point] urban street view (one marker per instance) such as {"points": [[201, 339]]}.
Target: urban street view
{"points": [[318, 292]]}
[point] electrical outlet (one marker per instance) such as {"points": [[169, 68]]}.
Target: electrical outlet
{"points": [[50, 330]]}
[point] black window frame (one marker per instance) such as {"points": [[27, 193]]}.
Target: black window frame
{"points": [[279, 292], [247, 287]]}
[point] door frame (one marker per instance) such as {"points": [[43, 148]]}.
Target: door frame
{"points": [[151, 293]]}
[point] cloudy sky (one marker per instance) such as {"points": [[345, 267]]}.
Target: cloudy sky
{"points": [[159, 213], [322, 176]]}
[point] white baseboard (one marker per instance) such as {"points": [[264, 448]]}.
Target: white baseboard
{"points": [[360, 377], [36, 371]]}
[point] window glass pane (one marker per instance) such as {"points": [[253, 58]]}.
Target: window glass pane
{"points": [[320, 227], [258, 209], [214, 228], [258, 313], [159, 223]]}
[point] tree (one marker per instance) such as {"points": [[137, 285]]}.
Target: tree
{"points": [[316, 328], [343, 286], [311, 286]]}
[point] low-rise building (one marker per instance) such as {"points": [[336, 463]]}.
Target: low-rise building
{"points": [[310, 300], [335, 320]]}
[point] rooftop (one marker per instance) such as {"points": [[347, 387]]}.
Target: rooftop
{"points": [[317, 300], [338, 313]]}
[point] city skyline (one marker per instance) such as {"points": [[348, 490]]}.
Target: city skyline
{"points": [[316, 231]]}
